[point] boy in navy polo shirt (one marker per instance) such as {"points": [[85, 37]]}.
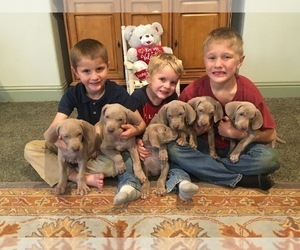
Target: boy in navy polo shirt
{"points": [[89, 62]]}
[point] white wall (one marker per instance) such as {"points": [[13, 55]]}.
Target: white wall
{"points": [[31, 63], [271, 44], [271, 34]]}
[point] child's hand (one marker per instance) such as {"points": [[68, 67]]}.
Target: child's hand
{"points": [[128, 131], [226, 129], [143, 152]]}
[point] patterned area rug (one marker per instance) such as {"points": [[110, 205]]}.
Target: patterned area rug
{"points": [[216, 218]]}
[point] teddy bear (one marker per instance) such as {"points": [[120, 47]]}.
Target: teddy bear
{"points": [[144, 42]]}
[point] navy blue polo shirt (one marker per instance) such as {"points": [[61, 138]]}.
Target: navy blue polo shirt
{"points": [[90, 110]]}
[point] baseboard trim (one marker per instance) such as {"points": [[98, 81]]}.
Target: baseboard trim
{"points": [[279, 90], [54, 93], [32, 93]]}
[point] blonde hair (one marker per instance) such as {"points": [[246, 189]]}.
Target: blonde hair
{"points": [[227, 35], [88, 48], [162, 60]]}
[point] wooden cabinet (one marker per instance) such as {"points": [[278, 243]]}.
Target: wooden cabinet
{"points": [[186, 23], [191, 22], [100, 20]]}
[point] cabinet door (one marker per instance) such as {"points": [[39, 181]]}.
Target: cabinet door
{"points": [[100, 21], [138, 12], [192, 21]]}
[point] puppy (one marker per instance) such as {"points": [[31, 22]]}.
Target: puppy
{"points": [[208, 111], [155, 138], [112, 117], [244, 116], [81, 144], [178, 115]]}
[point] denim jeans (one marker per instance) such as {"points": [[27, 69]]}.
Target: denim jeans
{"points": [[128, 177], [256, 159], [175, 176]]}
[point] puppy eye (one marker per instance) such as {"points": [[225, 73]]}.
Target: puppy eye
{"points": [[79, 134]]}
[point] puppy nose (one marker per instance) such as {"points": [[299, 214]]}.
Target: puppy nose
{"points": [[76, 148], [110, 130]]}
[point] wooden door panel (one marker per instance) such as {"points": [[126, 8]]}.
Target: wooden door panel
{"points": [[104, 28], [189, 34]]}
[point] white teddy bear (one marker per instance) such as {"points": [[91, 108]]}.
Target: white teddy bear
{"points": [[144, 41]]}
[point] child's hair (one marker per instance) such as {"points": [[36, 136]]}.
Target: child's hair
{"points": [[88, 48], [228, 35], [162, 60]]}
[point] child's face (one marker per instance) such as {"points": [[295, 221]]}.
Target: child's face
{"points": [[221, 62], [92, 73], [162, 82]]}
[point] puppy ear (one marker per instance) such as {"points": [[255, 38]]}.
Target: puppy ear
{"points": [[257, 121], [230, 109], [88, 130], [219, 114], [194, 102], [161, 116], [190, 114], [89, 135], [132, 117], [103, 113], [151, 137]]}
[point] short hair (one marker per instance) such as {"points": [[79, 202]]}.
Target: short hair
{"points": [[228, 35], [162, 60], [89, 48]]}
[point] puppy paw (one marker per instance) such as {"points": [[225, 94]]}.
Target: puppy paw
{"points": [[193, 145], [234, 158], [140, 175], [181, 142], [160, 190], [120, 168], [163, 156], [214, 155], [145, 190], [60, 189], [82, 189]]}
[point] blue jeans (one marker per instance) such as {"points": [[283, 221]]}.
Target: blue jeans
{"points": [[256, 159], [175, 176]]}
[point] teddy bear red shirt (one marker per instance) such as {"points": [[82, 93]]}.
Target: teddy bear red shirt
{"points": [[144, 53]]}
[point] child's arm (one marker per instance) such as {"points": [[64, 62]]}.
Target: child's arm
{"points": [[143, 152]]}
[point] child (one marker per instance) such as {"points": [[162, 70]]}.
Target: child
{"points": [[223, 56], [163, 74], [89, 62]]}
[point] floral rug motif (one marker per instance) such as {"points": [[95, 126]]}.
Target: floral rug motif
{"points": [[230, 218]]}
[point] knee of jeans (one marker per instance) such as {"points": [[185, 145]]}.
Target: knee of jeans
{"points": [[271, 160], [172, 150]]}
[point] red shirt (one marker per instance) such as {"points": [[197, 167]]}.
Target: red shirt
{"points": [[246, 91]]}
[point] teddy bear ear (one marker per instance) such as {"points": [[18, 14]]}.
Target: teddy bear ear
{"points": [[158, 28], [128, 31]]}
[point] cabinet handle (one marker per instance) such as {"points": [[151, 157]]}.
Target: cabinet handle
{"points": [[119, 45], [175, 43]]}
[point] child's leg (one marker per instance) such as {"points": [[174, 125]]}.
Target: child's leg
{"points": [[43, 160], [177, 178], [128, 185], [93, 180], [96, 170]]}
